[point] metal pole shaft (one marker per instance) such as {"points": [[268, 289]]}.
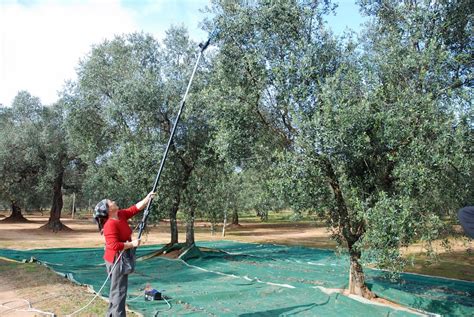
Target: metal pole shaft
{"points": [[170, 140]]}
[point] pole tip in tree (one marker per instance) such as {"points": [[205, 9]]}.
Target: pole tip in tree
{"points": [[204, 45]]}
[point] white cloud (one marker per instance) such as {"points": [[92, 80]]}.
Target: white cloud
{"points": [[157, 16], [41, 43]]}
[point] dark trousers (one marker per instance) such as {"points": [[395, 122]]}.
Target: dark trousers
{"points": [[118, 292]]}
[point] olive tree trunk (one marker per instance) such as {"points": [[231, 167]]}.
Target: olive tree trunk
{"points": [[351, 231], [235, 217], [16, 215], [190, 228], [173, 221], [54, 223], [357, 284]]}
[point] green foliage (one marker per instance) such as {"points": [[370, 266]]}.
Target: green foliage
{"points": [[374, 136], [121, 112], [34, 151], [112, 117], [20, 148]]}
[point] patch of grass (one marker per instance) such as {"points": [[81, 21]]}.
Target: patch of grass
{"points": [[31, 268], [7, 266], [277, 217], [458, 265], [48, 291], [273, 217]]}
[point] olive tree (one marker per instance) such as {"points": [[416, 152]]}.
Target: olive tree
{"points": [[373, 135]]}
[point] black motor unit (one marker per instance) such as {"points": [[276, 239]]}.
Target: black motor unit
{"points": [[153, 295]]}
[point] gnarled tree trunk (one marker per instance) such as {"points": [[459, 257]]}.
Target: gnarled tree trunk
{"points": [[16, 215], [235, 217], [173, 221], [174, 209], [351, 231], [54, 223], [357, 278]]}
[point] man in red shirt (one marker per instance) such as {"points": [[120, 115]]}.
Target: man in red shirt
{"points": [[113, 224]]}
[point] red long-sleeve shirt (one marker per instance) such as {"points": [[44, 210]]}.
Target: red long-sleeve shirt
{"points": [[117, 232]]}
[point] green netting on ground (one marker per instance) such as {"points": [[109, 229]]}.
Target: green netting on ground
{"points": [[243, 279]]}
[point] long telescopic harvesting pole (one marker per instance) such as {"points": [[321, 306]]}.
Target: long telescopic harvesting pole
{"points": [[142, 225]]}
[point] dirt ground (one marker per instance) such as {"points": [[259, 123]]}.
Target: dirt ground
{"points": [[84, 233]]}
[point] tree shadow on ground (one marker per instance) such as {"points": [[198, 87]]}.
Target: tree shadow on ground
{"points": [[430, 294], [13, 219], [279, 311], [261, 233]]}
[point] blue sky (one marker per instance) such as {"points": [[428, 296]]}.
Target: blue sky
{"points": [[156, 16], [347, 17], [42, 41]]}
